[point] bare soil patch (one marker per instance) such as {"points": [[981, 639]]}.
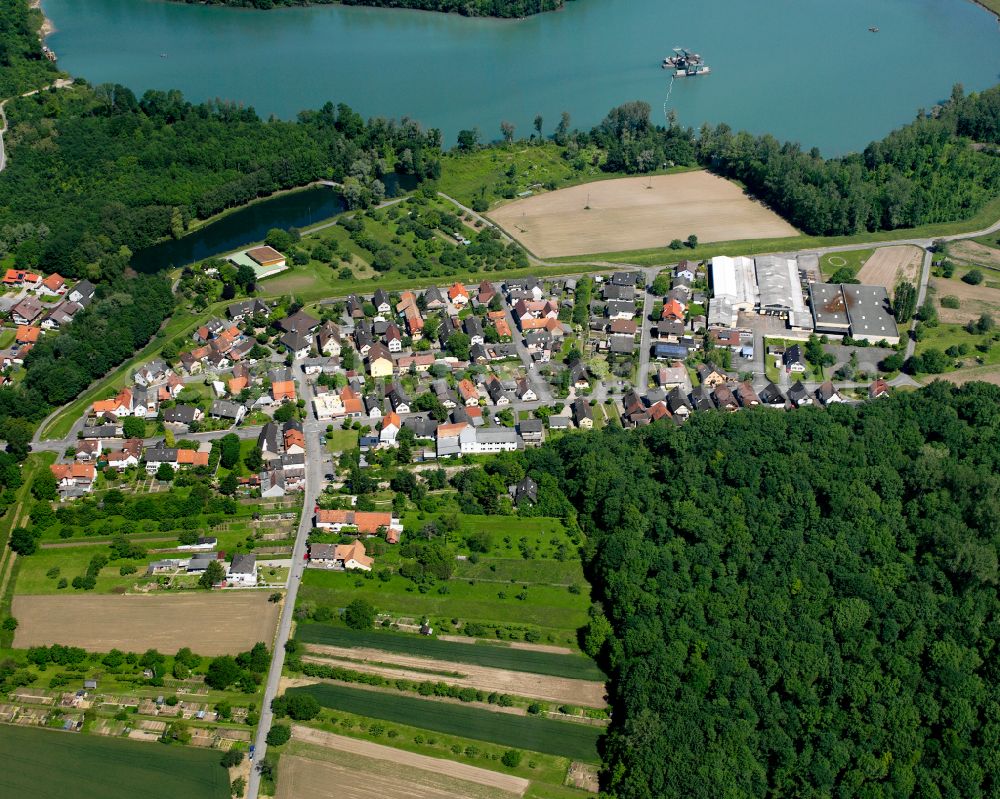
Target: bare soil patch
{"points": [[638, 213], [210, 623], [974, 252], [518, 683], [583, 775], [981, 374], [888, 265], [395, 773], [974, 300]]}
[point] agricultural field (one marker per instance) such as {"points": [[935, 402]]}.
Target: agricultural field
{"points": [[632, 213], [564, 739], [218, 623], [889, 265], [535, 687], [973, 301], [489, 655], [361, 769], [983, 252], [47, 764]]}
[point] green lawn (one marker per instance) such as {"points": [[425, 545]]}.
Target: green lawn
{"points": [[944, 336], [542, 533], [491, 655], [72, 562], [535, 571], [852, 260], [340, 440], [565, 739], [545, 606], [45, 763]]}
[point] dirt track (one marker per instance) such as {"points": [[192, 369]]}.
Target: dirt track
{"points": [[888, 265], [518, 683], [637, 213], [218, 623], [392, 777]]}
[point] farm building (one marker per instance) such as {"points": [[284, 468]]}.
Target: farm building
{"points": [[365, 522]]}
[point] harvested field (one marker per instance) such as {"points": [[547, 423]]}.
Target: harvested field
{"points": [[982, 374], [638, 213], [562, 738], [975, 300], [48, 763], [974, 253], [551, 689], [433, 776], [576, 667], [888, 265], [211, 624]]}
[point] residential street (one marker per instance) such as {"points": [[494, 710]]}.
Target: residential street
{"points": [[314, 474]]}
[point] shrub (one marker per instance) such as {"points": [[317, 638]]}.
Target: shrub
{"points": [[511, 758], [232, 758], [279, 734], [973, 277]]}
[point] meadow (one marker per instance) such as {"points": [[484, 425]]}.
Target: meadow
{"points": [[577, 741], [490, 655], [45, 763]]}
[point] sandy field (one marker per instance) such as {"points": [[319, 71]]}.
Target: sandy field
{"points": [[975, 253], [217, 623], [638, 213], [888, 265], [980, 374], [361, 769], [518, 683], [975, 300]]}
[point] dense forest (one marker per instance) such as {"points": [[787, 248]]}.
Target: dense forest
{"points": [[797, 604], [22, 65], [469, 8], [925, 172], [132, 170]]}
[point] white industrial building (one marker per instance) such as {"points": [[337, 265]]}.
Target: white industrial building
{"points": [[780, 290], [734, 288]]}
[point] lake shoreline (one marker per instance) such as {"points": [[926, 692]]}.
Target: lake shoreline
{"points": [[993, 6], [47, 28]]}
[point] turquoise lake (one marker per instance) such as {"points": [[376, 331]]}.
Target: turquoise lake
{"points": [[804, 70]]}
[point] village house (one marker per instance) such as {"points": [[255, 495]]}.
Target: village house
{"points": [[282, 385], [26, 311], [243, 571], [524, 493], [238, 311], [391, 425], [367, 523], [340, 556], [74, 479], [379, 361], [582, 414], [532, 432], [458, 295], [798, 395]]}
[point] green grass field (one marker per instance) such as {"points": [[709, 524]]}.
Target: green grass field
{"points": [[545, 607], [491, 655], [341, 440], [565, 739], [531, 572], [46, 764], [853, 260], [540, 531]]}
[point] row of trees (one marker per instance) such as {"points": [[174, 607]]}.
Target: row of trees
{"points": [[925, 172], [809, 610], [470, 8]]}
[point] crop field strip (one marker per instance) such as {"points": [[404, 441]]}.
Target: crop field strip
{"points": [[47, 763], [565, 739], [575, 667]]}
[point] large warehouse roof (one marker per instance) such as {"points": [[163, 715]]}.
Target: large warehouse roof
{"points": [[778, 279]]}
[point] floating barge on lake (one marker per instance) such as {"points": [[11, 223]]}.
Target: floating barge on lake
{"points": [[686, 64]]}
